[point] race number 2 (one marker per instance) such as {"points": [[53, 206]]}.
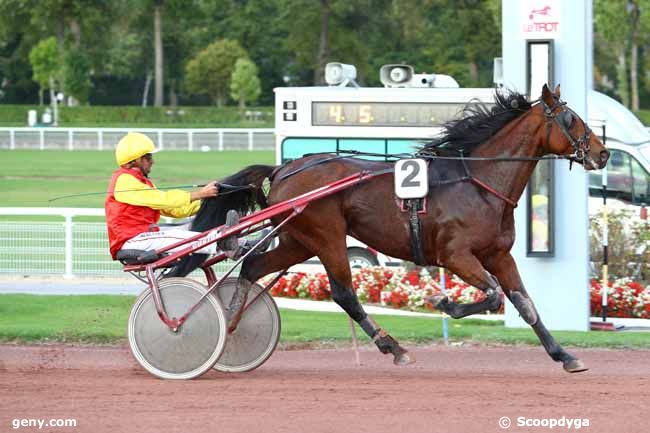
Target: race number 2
{"points": [[411, 180]]}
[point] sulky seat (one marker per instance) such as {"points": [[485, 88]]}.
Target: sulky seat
{"points": [[137, 257]]}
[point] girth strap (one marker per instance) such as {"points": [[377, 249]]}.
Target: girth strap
{"points": [[415, 206]]}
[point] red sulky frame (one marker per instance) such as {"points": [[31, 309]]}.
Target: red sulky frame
{"points": [[252, 223]]}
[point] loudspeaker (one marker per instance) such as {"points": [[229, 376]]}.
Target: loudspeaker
{"points": [[396, 75], [339, 74]]}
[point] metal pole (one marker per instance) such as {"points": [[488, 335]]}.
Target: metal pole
{"points": [[445, 319], [190, 141], [220, 140], [250, 140], [605, 280], [100, 139], [70, 139], [355, 342], [41, 137], [12, 139]]}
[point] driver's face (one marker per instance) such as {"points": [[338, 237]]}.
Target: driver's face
{"points": [[145, 163]]}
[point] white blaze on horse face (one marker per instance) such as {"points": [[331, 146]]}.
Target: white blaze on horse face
{"points": [[411, 178]]}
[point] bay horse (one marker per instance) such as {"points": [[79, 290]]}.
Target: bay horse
{"points": [[468, 227]]}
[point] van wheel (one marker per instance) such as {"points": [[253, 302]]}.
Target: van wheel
{"points": [[360, 258]]}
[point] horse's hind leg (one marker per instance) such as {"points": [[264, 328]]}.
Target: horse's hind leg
{"points": [[334, 258], [504, 267], [470, 269]]}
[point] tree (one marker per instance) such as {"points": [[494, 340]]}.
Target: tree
{"points": [[209, 72], [46, 66], [261, 27], [76, 75], [622, 27], [323, 42], [244, 82], [336, 30], [158, 50]]}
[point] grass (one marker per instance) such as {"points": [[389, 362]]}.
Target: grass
{"points": [[29, 178], [103, 318]]}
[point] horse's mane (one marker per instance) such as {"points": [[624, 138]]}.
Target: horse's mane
{"points": [[477, 124]]}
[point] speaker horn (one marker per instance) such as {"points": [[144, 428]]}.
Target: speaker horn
{"points": [[396, 75]]}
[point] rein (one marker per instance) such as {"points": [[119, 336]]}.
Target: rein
{"points": [[468, 176]]}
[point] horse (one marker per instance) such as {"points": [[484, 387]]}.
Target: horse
{"points": [[468, 227]]}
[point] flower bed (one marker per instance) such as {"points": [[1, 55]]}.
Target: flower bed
{"points": [[401, 289], [376, 285], [625, 298]]}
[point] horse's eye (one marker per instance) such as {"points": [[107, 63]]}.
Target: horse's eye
{"points": [[566, 118]]}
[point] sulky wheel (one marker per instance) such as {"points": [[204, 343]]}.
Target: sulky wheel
{"points": [[199, 341], [257, 333]]}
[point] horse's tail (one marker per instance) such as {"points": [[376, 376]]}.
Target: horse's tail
{"points": [[212, 212]]}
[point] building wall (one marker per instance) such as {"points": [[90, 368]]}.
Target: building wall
{"points": [[558, 285]]}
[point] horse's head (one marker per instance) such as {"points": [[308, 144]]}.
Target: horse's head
{"points": [[567, 134]]}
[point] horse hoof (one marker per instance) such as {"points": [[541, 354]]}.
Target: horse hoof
{"points": [[405, 358], [574, 366], [436, 300]]}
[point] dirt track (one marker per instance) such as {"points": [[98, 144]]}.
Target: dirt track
{"points": [[449, 390]]}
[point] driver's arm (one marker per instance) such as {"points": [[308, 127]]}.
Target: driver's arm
{"points": [[131, 191]]}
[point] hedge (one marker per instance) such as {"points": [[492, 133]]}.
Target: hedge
{"points": [[16, 115]]}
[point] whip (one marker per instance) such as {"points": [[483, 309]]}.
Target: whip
{"points": [[228, 189]]}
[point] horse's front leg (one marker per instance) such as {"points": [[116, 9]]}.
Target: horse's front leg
{"points": [[470, 269], [505, 268]]}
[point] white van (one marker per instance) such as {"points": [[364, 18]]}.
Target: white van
{"points": [[628, 169]]}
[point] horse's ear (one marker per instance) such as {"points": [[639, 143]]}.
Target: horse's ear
{"points": [[557, 90], [547, 96]]}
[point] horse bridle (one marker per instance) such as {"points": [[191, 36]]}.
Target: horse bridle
{"points": [[564, 119]]}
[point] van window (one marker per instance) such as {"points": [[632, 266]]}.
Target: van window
{"points": [[641, 183], [627, 180]]}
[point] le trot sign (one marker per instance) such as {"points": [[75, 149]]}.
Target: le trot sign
{"points": [[540, 19]]}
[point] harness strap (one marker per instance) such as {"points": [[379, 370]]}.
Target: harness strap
{"points": [[414, 207], [494, 191], [305, 167], [468, 176]]}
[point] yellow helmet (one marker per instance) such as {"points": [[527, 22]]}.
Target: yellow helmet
{"points": [[132, 146]]}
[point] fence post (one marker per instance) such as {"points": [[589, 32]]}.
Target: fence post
{"points": [[41, 136], [100, 139], [70, 139], [12, 139], [190, 140], [161, 145], [250, 140], [220, 140], [68, 246]]}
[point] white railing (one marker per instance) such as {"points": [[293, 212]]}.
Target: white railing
{"points": [[200, 139], [69, 248]]}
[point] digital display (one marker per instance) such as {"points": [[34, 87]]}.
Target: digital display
{"points": [[384, 113]]}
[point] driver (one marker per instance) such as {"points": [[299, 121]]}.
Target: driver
{"points": [[133, 205]]}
